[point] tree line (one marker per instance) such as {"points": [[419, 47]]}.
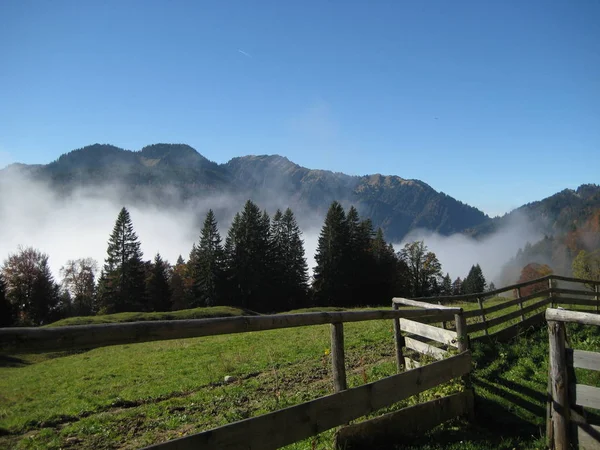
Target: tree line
{"points": [[261, 266]]}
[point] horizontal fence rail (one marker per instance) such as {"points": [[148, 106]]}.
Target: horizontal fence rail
{"points": [[92, 336], [295, 423], [508, 318]]}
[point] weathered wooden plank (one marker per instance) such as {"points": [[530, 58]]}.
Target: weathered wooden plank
{"points": [[564, 315], [424, 348], [295, 423], [510, 332], [571, 279], [338, 361], [437, 334], [575, 301], [512, 315], [91, 336], [516, 301], [411, 363], [471, 313], [586, 396], [474, 327], [393, 427], [473, 297], [558, 375], [582, 359], [520, 303], [588, 437], [573, 291], [426, 305]]}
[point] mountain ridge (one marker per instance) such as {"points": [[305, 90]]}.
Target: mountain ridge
{"points": [[395, 204]]}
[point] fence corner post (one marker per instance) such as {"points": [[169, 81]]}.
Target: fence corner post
{"points": [[551, 294], [558, 377], [398, 341]]}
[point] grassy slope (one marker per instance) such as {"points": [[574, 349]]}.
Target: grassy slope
{"points": [[134, 395]]}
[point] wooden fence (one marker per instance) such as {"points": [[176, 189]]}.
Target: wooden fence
{"points": [[506, 319], [291, 424], [567, 425]]}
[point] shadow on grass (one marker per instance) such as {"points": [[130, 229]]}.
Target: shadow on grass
{"points": [[11, 361]]}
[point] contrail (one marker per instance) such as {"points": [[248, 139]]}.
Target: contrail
{"points": [[244, 53]]}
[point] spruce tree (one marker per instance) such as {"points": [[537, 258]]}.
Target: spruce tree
{"points": [[289, 272], [475, 281], [157, 286], [446, 285], [331, 274], [210, 263], [179, 300], [384, 274], [122, 286], [247, 256]]}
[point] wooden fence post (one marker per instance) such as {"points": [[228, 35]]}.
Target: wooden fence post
{"points": [[551, 294], [337, 357], [463, 345], [597, 297], [520, 303], [399, 342], [482, 315], [558, 376]]}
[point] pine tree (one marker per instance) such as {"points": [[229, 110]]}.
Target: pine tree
{"points": [[457, 287], [359, 257], [289, 272], [447, 285], [475, 281], [247, 256], [157, 286], [331, 274], [210, 263], [122, 286], [178, 297], [384, 276]]}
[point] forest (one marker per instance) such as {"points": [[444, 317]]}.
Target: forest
{"points": [[261, 267]]}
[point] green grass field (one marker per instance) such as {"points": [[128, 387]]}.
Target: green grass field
{"points": [[134, 395]]}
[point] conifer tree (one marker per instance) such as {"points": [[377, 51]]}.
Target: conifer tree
{"points": [[247, 252], [179, 300], [475, 281], [447, 285], [331, 274], [122, 286], [384, 274], [157, 286], [289, 272], [210, 263]]}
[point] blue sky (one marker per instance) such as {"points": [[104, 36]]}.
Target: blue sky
{"points": [[496, 103]]}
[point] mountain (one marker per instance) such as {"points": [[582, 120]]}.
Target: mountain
{"points": [[165, 173], [564, 211]]}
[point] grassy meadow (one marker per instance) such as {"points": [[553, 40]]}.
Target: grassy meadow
{"points": [[130, 396]]}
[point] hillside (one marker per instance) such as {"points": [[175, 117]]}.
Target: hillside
{"points": [[169, 172]]}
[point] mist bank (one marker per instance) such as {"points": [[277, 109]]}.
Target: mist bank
{"points": [[78, 223], [458, 252]]}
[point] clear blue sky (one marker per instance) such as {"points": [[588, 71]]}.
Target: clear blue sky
{"points": [[493, 102]]}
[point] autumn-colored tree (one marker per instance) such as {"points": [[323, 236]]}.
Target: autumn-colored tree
{"points": [[530, 272], [79, 281], [586, 265], [30, 287]]}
